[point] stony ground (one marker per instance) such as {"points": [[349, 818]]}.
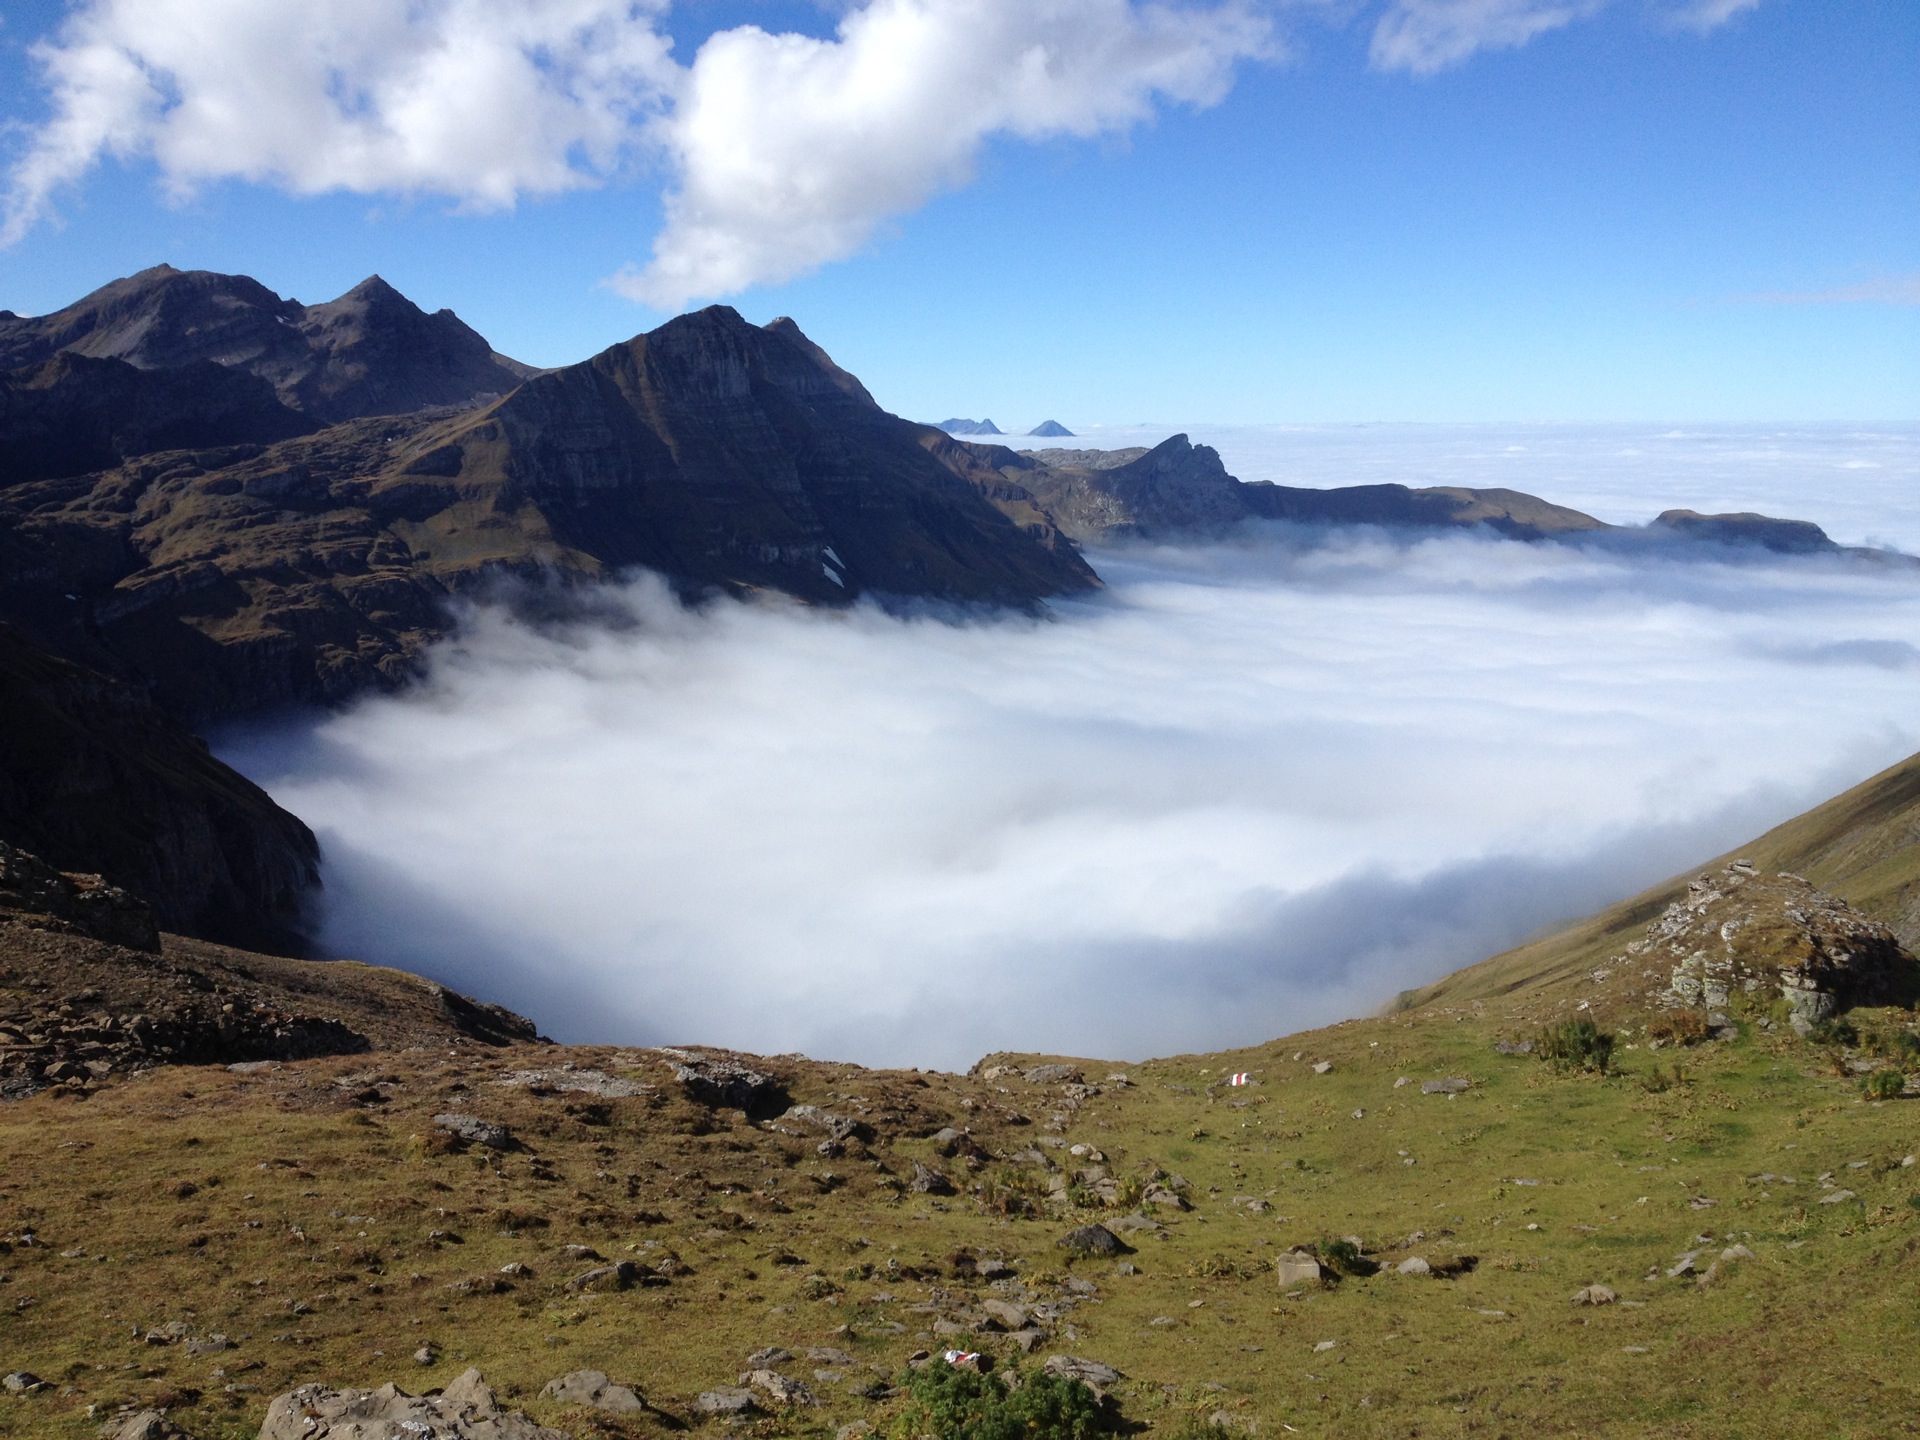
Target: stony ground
{"points": [[205, 1238]]}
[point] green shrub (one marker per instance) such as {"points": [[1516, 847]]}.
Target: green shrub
{"points": [[1834, 1032], [1577, 1045], [1658, 1081], [1344, 1256], [1884, 1085], [1679, 1027], [954, 1402], [1194, 1427], [1012, 1193]]}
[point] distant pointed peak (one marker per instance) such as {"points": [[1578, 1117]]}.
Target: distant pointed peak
{"points": [[374, 288]]}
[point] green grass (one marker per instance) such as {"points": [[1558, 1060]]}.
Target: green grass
{"points": [[1811, 1336]]}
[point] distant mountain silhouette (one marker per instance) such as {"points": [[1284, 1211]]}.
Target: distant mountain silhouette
{"points": [[970, 427], [370, 352], [1050, 430]]}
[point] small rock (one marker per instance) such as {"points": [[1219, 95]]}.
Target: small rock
{"points": [[475, 1131], [1053, 1075], [1324, 1345], [1403, 1080], [1091, 1240], [1453, 1085], [1414, 1265], [426, 1355], [1736, 1252], [828, 1355], [929, 1181], [211, 1345], [22, 1382], [1322, 1067], [768, 1358], [1027, 1341], [1007, 1313], [1298, 1267], [724, 1402], [592, 1389], [1594, 1295], [146, 1425], [1837, 1197], [1091, 1373], [779, 1388], [620, 1275]]}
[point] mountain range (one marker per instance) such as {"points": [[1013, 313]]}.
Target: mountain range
{"points": [[214, 500]]}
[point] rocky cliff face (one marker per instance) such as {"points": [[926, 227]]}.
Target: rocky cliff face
{"points": [[93, 778], [720, 453], [370, 352]]}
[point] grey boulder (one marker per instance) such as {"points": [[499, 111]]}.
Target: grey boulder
{"points": [[593, 1389], [465, 1410], [475, 1131], [1091, 1240]]}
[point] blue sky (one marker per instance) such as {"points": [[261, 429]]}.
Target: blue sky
{"points": [[1621, 218]]}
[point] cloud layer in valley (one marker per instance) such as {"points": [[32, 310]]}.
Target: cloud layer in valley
{"points": [[779, 152], [1252, 788]]}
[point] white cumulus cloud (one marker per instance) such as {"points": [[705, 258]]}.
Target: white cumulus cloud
{"points": [[791, 151], [779, 152], [479, 100], [782, 152]]}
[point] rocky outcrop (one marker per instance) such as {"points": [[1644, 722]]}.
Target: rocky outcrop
{"points": [[1738, 932], [94, 780], [90, 994], [466, 1410], [37, 894], [723, 1082], [370, 352]]}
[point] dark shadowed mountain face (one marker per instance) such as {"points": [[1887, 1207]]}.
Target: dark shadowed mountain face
{"points": [[371, 352], [93, 778], [71, 414], [723, 454]]}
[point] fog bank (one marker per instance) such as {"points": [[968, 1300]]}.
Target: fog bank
{"points": [[1253, 787]]}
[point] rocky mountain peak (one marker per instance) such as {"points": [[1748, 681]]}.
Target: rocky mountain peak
{"points": [[372, 351]]}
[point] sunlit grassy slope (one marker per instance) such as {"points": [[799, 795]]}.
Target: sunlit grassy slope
{"points": [[1863, 845], [314, 1215]]}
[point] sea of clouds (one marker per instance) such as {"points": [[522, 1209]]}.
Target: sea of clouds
{"points": [[1254, 786]]}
